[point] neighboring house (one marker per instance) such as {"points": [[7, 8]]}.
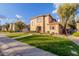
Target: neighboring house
{"points": [[11, 27], [3, 28], [45, 24]]}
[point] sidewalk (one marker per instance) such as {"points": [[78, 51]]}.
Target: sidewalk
{"points": [[11, 47], [74, 39]]}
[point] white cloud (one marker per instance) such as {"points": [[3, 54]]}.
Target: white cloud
{"points": [[58, 20], [18, 16], [21, 18], [54, 11], [56, 7]]}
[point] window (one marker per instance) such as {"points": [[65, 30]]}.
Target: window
{"points": [[53, 28], [38, 19]]}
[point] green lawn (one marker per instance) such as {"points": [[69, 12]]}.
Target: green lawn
{"points": [[76, 34], [57, 45], [16, 34]]}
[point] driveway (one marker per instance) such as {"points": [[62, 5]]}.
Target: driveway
{"points": [[11, 47]]}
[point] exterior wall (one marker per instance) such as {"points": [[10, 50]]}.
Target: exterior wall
{"points": [[44, 23], [54, 29], [47, 27], [33, 25], [36, 22], [78, 27], [40, 23]]}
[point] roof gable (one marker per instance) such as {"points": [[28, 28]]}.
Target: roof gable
{"points": [[44, 16]]}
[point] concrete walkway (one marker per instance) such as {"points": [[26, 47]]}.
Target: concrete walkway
{"points": [[11, 47], [74, 39]]}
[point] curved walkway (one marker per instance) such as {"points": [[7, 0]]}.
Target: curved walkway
{"points": [[74, 39], [11, 47]]}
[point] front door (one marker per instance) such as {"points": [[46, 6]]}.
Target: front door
{"points": [[38, 29]]}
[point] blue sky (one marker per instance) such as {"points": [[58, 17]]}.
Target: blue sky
{"points": [[26, 10]]}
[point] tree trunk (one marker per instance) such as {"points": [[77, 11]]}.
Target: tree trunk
{"points": [[65, 30]]}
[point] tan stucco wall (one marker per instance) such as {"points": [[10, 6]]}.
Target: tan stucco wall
{"points": [[56, 28], [47, 27], [34, 23], [78, 27], [40, 23]]}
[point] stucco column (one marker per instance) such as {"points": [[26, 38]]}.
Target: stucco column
{"points": [[13, 27]]}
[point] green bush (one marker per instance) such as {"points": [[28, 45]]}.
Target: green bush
{"points": [[76, 34]]}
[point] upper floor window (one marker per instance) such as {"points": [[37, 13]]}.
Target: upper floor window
{"points": [[38, 19], [52, 28]]}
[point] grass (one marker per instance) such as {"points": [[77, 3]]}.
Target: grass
{"points": [[76, 34], [15, 34], [57, 45]]}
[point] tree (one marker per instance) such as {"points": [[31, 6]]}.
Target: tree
{"points": [[65, 11], [72, 23], [20, 25]]}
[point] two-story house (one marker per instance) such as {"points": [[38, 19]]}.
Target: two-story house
{"points": [[44, 24]]}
